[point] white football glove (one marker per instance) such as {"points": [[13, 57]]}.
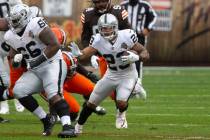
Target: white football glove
{"points": [[18, 58], [131, 58], [94, 61], [75, 49]]}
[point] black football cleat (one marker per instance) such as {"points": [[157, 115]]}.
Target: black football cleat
{"points": [[48, 122], [3, 120], [68, 132], [100, 110]]}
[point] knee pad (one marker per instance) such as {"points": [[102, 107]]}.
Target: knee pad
{"points": [[29, 102], [122, 106], [61, 107]]}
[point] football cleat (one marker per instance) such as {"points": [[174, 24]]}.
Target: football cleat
{"points": [[3, 120], [68, 132], [139, 91], [78, 129], [4, 107], [48, 122], [100, 110], [121, 121], [18, 106]]}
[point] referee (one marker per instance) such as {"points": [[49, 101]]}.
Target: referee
{"points": [[142, 17]]}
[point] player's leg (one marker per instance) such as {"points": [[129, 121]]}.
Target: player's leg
{"points": [[74, 85], [15, 74], [102, 89], [4, 84], [139, 91], [73, 104], [53, 80], [82, 70], [27, 84], [123, 90]]}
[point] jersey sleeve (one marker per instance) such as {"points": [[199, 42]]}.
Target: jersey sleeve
{"points": [[94, 41], [86, 33], [131, 38], [122, 16], [151, 16], [7, 38], [37, 25]]}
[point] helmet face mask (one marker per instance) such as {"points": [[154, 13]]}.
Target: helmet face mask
{"points": [[108, 26], [19, 17], [101, 6]]}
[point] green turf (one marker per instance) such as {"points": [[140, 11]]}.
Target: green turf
{"points": [[177, 108]]}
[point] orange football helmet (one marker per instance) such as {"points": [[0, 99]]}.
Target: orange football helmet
{"points": [[60, 34]]}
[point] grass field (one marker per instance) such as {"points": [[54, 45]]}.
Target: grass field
{"points": [[177, 108]]}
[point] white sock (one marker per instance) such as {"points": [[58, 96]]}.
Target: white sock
{"points": [[40, 113], [65, 120]]}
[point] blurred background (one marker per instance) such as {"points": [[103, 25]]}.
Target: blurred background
{"points": [[181, 36]]}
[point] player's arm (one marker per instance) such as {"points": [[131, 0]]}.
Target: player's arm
{"points": [[86, 33], [151, 18], [4, 26], [87, 53], [15, 57], [122, 16], [141, 51], [49, 39]]}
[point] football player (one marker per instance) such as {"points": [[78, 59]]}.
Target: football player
{"points": [[32, 40], [89, 20], [5, 6], [120, 49]]}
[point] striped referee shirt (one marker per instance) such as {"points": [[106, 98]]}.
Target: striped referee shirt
{"points": [[140, 16]]}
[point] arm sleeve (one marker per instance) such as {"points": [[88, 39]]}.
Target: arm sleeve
{"points": [[37, 25], [123, 20], [151, 17], [131, 38], [86, 33]]}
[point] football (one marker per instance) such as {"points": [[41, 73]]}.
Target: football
{"points": [[125, 53]]}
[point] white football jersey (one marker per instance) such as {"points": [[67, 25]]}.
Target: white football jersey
{"points": [[29, 43], [113, 52], [5, 6]]}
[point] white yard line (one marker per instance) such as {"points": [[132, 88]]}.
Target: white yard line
{"points": [[163, 114]]}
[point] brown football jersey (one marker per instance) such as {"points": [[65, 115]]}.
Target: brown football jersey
{"points": [[89, 19]]}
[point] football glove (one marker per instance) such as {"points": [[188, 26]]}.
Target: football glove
{"points": [[131, 58], [94, 61], [18, 58], [75, 49]]}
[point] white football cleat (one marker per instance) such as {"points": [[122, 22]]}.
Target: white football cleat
{"points": [[78, 129], [19, 107], [4, 107], [121, 121], [139, 91]]}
